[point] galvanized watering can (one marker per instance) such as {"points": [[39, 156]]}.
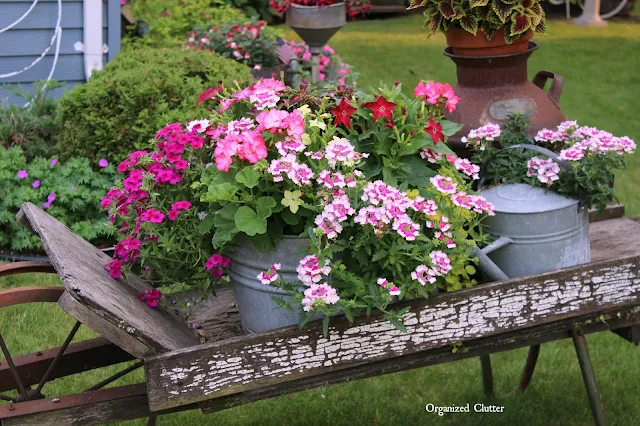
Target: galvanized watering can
{"points": [[534, 230]]}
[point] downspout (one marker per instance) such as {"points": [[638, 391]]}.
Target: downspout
{"points": [[93, 50]]}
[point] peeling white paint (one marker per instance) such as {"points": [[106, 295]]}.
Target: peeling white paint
{"points": [[435, 325]]}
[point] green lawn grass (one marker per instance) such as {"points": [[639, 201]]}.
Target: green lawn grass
{"points": [[601, 69]]}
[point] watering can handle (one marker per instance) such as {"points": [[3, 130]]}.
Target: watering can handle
{"points": [[483, 170], [557, 84]]}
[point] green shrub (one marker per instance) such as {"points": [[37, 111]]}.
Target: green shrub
{"points": [[31, 125], [165, 22], [77, 188], [139, 92]]}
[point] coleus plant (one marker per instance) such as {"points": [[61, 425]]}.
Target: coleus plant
{"points": [[366, 177], [516, 17], [592, 154]]}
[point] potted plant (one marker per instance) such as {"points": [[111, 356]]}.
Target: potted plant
{"points": [[484, 27], [543, 188], [250, 44], [489, 41], [332, 70], [326, 201], [316, 21]]}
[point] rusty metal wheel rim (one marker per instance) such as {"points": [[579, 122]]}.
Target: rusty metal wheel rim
{"points": [[38, 294]]}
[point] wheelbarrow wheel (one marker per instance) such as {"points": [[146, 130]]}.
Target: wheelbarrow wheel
{"points": [[25, 376]]}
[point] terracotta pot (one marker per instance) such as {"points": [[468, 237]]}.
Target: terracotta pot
{"points": [[492, 87], [466, 44]]}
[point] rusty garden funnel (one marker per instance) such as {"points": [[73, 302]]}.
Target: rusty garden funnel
{"points": [[316, 25], [492, 87]]}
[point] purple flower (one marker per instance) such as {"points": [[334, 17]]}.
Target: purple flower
{"points": [[103, 163], [54, 162], [35, 184], [46, 205], [51, 197], [22, 174]]}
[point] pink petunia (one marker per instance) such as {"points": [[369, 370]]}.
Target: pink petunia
{"points": [[22, 174]]}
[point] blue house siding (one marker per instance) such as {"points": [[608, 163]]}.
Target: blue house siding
{"points": [[25, 42]]}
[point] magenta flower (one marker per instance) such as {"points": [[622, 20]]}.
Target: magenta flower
{"points": [[22, 174], [152, 215], [151, 297], [53, 162], [51, 197], [103, 163], [35, 184], [115, 268]]}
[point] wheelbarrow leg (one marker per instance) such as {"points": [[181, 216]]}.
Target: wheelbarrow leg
{"points": [[152, 421], [487, 375], [529, 367], [580, 343]]}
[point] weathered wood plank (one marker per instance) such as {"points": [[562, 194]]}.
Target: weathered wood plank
{"points": [[45, 15], [499, 343], [23, 44], [245, 363], [110, 307], [612, 211], [614, 238], [88, 408]]}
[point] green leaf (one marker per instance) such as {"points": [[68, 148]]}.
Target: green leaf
{"points": [[449, 128], [224, 222], [470, 24], [417, 142], [417, 172], [248, 177], [206, 224], [289, 217], [501, 9], [249, 222], [268, 240], [264, 206], [219, 192]]}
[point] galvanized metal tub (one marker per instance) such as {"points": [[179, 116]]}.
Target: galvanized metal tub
{"points": [[258, 311], [536, 230]]}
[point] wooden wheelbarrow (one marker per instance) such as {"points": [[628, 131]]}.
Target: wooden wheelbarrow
{"points": [[218, 366]]}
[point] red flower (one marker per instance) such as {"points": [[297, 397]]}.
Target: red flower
{"points": [[209, 93], [381, 108], [343, 113], [435, 130]]}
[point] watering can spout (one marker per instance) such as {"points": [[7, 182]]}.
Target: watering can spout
{"points": [[486, 264]]}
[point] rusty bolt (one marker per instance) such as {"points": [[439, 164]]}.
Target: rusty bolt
{"points": [[11, 407], [39, 353], [55, 400]]}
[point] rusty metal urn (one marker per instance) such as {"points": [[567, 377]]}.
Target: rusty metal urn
{"points": [[492, 87], [316, 25]]}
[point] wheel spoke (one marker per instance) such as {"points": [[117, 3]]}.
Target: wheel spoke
{"points": [[58, 356], [12, 366], [115, 376]]}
